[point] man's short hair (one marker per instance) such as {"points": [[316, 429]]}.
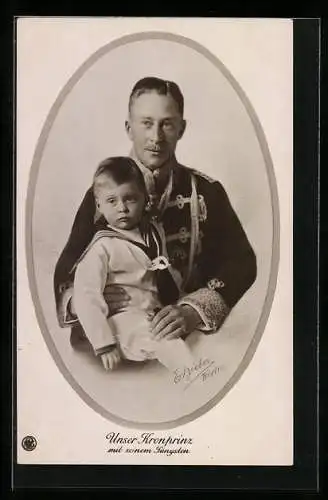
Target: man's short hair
{"points": [[162, 87], [120, 169]]}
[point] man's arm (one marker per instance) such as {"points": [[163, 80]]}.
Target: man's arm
{"points": [[227, 263], [81, 235]]}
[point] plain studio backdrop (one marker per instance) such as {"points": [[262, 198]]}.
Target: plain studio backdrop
{"points": [[220, 140]]}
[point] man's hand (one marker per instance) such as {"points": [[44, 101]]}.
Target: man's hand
{"points": [[110, 359], [174, 322], [116, 298]]}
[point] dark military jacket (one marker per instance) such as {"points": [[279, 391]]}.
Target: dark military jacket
{"points": [[205, 241]]}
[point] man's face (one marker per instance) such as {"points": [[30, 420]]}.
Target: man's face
{"points": [[122, 205], [154, 126]]}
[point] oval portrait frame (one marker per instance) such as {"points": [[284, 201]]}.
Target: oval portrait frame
{"points": [[259, 330]]}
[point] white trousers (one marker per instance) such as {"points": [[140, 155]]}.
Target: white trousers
{"points": [[132, 333]]}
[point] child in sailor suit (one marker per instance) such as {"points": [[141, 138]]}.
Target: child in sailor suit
{"points": [[127, 250]]}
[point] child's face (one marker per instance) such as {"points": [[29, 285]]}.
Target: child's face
{"points": [[121, 205]]}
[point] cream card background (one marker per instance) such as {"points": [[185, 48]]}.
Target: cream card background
{"points": [[252, 425]]}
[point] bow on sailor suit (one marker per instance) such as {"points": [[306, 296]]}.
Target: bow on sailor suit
{"points": [[206, 246]]}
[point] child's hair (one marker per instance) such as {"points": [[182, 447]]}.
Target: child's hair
{"points": [[121, 169]]}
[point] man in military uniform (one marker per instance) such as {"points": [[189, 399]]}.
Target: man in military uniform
{"points": [[212, 259]]}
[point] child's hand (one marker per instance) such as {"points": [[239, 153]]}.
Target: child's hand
{"points": [[111, 359]]}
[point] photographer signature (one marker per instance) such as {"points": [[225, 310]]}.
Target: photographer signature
{"points": [[202, 369]]}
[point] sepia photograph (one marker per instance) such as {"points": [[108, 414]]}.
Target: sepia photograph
{"points": [[152, 231]]}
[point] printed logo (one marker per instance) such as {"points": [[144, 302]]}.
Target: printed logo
{"points": [[29, 443]]}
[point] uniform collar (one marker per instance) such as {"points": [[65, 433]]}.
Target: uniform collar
{"points": [[153, 178]]}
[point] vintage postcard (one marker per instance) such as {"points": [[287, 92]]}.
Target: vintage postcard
{"points": [[154, 241]]}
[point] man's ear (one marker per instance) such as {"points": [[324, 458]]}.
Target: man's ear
{"points": [[128, 128], [182, 129]]}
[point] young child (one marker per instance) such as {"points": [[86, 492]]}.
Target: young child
{"points": [[128, 250]]}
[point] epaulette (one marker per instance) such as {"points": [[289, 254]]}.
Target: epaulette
{"points": [[201, 174]]}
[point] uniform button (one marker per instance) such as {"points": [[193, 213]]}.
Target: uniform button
{"points": [[183, 235], [180, 201], [215, 283]]}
